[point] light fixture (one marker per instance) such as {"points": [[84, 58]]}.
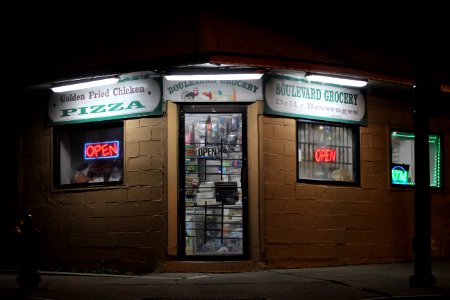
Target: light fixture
{"points": [[83, 84], [336, 80], [225, 76], [213, 72]]}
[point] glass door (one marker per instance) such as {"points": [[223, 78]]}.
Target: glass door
{"points": [[213, 187]]}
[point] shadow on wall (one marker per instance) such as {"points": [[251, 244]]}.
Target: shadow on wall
{"points": [[9, 217]]}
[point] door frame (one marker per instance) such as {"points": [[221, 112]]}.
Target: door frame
{"points": [[212, 109], [255, 188]]}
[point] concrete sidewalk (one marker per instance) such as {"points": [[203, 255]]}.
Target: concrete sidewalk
{"points": [[386, 281]]}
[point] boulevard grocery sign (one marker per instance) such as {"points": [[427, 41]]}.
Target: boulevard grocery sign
{"points": [[213, 90], [299, 98], [133, 96]]}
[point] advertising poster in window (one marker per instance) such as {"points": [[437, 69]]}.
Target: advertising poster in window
{"points": [[298, 98], [133, 96]]}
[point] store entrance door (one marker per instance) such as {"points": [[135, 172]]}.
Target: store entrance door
{"points": [[213, 182]]}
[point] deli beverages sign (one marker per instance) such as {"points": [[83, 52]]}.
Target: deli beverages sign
{"points": [[133, 96], [294, 97]]}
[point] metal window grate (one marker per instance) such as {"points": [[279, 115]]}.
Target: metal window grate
{"points": [[326, 152]]}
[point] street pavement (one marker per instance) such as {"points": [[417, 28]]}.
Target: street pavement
{"points": [[380, 281]]}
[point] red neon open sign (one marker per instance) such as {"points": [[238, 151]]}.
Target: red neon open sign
{"points": [[325, 155], [101, 150]]}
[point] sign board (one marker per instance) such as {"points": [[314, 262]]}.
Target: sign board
{"points": [[325, 155], [101, 150], [210, 152], [399, 175], [213, 90], [294, 97], [133, 96]]}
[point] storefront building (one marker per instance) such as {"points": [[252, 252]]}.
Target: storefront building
{"points": [[280, 171], [154, 174]]}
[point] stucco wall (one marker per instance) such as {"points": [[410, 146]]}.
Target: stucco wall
{"points": [[113, 229], [323, 225]]}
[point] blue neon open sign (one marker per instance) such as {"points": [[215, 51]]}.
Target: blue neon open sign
{"points": [[101, 150]]}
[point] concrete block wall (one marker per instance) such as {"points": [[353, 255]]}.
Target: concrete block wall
{"points": [[310, 225], [107, 229], [440, 204], [123, 228]]}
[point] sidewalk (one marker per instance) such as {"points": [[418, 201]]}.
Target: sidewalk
{"points": [[387, 281]]}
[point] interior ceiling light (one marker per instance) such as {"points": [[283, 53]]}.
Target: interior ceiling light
{"points": [[336, 80], [83, 84]]}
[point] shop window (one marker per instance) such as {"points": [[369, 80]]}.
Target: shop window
{"points": [[89, 154], [402, 159], [328, 152]]}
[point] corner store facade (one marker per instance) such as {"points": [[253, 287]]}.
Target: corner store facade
{"points": [[132, 227]]}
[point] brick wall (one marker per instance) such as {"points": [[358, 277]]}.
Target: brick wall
{"points": [[322, 225], [113, 229]]}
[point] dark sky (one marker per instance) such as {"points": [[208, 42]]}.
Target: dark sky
{"points": [[37, 36]]}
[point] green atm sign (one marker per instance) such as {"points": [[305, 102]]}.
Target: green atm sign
{"points": [[399, 175]]}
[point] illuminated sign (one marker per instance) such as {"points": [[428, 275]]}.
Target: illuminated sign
{"points": [[135, 95], [325, 155], [293, 96], [101, 150], [399, 175], [406, 140]]}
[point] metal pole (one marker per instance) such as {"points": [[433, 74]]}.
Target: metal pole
{"points": [[425, 91]]}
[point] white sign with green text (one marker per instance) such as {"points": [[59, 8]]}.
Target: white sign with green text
{"points": [[299, 98], [213, 90], [133, 96]]}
